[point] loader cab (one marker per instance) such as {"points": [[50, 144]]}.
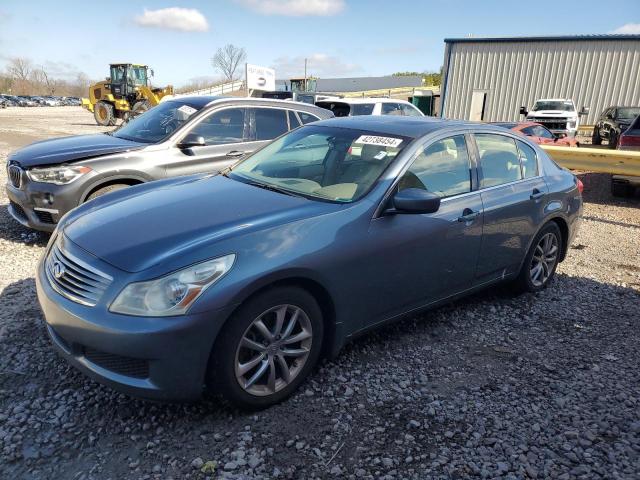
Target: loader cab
{"points": [[125, 77]]}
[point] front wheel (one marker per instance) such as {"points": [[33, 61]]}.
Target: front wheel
{"points": [[267, 348], [540, 264], [613, 139], [104, 114]]}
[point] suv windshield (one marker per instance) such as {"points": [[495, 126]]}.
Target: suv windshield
{"points": [[628, 113], [157, 123], [562, 105], [335, 164]]}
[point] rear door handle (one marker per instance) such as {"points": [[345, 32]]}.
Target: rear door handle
{"points": [[235, 153], [536, 195], [468, 215]]}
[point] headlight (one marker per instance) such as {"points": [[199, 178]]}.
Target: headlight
{"points": [[57, 175], [172, 294]]}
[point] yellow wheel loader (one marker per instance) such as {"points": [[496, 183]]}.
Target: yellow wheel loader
{"points": [[126, 93]]}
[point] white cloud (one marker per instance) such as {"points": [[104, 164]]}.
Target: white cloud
{"points": [[295, 8], [174, 18], [628, 29], [319, 65]]}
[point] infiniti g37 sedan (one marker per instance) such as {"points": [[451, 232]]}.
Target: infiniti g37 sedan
{"points": [[182, 136], [239, 282]]}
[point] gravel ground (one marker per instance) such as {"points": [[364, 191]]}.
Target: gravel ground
{"points": [[496, 386]]}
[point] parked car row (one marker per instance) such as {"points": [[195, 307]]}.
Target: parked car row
{"points": [[240, 277], [37, 101]]}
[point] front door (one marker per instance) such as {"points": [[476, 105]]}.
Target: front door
{"points": [[417, 259]]}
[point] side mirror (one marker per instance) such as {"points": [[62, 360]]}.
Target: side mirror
{"points": [[524, 111], [584, 111], [192, 140], [415, 200]]}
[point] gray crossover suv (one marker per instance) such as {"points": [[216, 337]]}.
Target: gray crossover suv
{"points": [[178, 137]]}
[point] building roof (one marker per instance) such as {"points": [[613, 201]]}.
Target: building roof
{"points": [[553, 38]]}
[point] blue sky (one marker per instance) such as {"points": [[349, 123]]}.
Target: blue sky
{"points": [[340, 37]]}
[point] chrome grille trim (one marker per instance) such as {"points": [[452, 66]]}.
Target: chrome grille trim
{"points": [[80, 282], [15, 175]]}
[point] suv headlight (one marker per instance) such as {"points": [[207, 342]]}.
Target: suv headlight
{"points": [[172, 294], [57, 175]]}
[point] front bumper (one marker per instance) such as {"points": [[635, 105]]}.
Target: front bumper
{"points": [[162, 358], [41, 205]]}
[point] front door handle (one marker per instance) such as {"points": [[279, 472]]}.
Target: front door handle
{"points": [[468, 215], [536, 195], [235, 153]]}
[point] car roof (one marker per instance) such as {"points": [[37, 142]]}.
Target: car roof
{"points": [[364, 100], [201, 101], [414, 127]]}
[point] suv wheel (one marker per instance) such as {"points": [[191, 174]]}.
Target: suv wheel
{"points": [[595, 138], [105, 190], [268, 347], [613, 139], [540, 264]]}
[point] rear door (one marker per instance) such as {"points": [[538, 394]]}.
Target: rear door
{"points": [[513, 196]]}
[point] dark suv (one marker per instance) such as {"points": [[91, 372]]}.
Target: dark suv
{"points": [[181, 136], [613, 122]]}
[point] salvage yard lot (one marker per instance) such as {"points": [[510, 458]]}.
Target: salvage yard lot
{"points": [[535, 386]]}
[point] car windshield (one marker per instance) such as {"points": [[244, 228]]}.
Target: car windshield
{"points": [[327, 163], [628, 113], [157, 123], [562, 105]]}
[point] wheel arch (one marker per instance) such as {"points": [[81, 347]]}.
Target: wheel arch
{"points": [[105, 182], [564, 231]]}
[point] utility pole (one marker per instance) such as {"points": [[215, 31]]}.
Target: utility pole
{"points": [[305, 74]]}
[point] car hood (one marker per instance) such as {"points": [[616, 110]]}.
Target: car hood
{"points": [[151, 225], [69, 149]]}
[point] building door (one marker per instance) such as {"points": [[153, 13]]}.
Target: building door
{"points": [[478, 100]]}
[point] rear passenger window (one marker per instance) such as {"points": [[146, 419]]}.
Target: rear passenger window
{"points": [[528, 160], [442, 168], [391, 109], [410, 110], [499, 159], [307, 117], [270, 123], [361, 109], [293, 120]]}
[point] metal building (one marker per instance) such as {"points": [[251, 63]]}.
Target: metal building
{"points": [[489, 79]]}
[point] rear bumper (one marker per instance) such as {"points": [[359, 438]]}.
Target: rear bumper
{"points": [[155, 358]]}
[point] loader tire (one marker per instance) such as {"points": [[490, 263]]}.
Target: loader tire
{"points": [[103, 113], [140, 107]]}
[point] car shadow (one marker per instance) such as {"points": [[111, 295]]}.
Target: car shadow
{"points": [[597, 189], [15, 232]]}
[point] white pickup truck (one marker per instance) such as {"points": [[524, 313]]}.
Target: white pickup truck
{"points": [[557, 114]]}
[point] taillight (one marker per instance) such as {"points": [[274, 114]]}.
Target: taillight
{"points": [[580, 185], [629, 140]]}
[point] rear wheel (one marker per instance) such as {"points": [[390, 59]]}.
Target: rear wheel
{"points": [[268, 347], [540, 264], [595, 138], [105, 190], [103, 113]]}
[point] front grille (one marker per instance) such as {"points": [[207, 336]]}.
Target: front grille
{"points": [[131, 367], [74, 279], [552, 123], [18, 210], [44, 217], [15, 175]]}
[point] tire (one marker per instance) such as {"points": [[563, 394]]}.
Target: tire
{"points": [[613, 139], [526, 280], [596, 139], [139, 108], [103, 113], [260, 357], [105, 190], [620, 189]]}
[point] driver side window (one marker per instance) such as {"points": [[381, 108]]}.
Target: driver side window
{"points": [[222, 127], [442, 168]]}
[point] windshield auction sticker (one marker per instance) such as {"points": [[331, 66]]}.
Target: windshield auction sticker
{"points": [[187, 110], [380, 141]]}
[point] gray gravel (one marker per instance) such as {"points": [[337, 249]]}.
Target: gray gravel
{"points": [[495, 386]]}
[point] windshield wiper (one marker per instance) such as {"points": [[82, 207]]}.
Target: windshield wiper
{"points": [[274, 188]]}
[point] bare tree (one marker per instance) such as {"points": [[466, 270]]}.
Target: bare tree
{"points": [[19, 69], [227, 59]]}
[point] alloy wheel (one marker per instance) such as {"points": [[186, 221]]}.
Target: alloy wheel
{"points": [[273, 350], [544, 259]]}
